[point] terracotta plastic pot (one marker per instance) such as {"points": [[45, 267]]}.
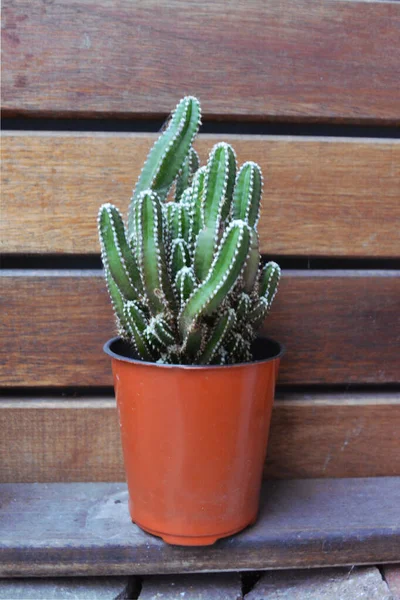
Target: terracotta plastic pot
{"points": [[194, 440]]}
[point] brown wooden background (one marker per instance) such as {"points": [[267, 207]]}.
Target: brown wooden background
{"points": [[84, 87]]}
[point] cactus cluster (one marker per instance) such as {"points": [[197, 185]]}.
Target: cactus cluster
{"points": [[185, 276]]}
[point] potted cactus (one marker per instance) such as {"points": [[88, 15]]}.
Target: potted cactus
{"points": [[194, 384]]}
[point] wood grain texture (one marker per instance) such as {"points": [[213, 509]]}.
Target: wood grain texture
{"points": [[322, 196], [312, 435], [338, 327], [334, 435], [278, 59], [85, 529]]}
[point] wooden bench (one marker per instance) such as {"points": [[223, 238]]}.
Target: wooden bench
{"points": [[84, 88]]}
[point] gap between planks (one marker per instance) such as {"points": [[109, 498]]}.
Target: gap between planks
{"points": [[288, 399]]}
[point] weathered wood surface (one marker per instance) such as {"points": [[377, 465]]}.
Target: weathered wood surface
{"points": [[322, 196], [281, 59], [84, 529], [338, 326], [312, 435], [334, 435]]}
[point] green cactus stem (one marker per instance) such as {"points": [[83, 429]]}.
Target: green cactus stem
{"points": [[258, 313], [238, 347], [152, 259], [168, 154], [178, 216], [268, 287], [159, 334], [216, 198], [185, 177], [226, 268], [117, 301], [219, 334], [136, 325], [185, 283], [269, 281], [243, 306], [247, 194], [116, 254], [251, 269], [179, 257], [204, 252], [194, 343], [196, 213]]}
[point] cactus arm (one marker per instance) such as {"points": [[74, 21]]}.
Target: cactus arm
{"points": [[186, 212], [136, 324], [238, 348], [269, 281], [133, 236], [164, 332], [178, 221], [243, 306], [196, 215], [204, 252], [174, 220], [247, 194], [179, 257], [184, 179], [251, 269], [185, 283], [219, 178], [117, 301], [152, 259], [230, 184], [194, 343], [186, 198], [268, 287], [169, 210], [115, 252], [220, 175], [159, 334], [135, 315], [168, 153], [226, 268], [258, 313], [222, 328]]}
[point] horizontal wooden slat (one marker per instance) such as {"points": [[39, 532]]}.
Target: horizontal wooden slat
{"points": [[285, 59], [85, 529], [338, 326], [322, 196], [334, 435], [312, 435]]}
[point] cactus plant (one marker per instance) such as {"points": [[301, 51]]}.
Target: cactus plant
{"points": [[185, 276]]}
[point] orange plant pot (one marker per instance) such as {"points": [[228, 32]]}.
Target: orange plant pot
{"points": [[194, 440]]}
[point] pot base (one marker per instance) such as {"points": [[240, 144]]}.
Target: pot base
{"points": [[189, 540]]}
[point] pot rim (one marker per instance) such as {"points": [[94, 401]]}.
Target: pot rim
{"points": [[260, 338]]}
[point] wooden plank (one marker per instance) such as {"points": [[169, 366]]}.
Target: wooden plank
{"points": [[84, 529], [322, 196], [312, 435], [59, 440], [334, 435], [281, 59], [338, 326]]}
